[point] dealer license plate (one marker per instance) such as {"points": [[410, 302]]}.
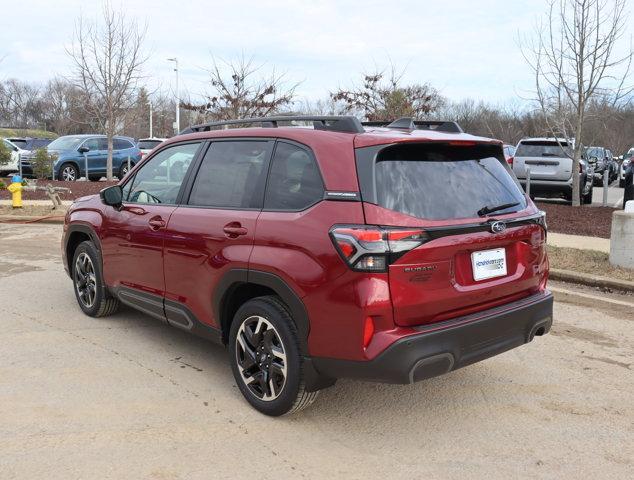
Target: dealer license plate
{"points": [[488, 264]]}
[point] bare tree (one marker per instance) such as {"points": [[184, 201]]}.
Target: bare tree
{"points": [[108, 59], [574, 59], [383, 97], [239, 91]]}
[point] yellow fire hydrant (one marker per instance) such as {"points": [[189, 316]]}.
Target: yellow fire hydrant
{"points": [[16, 191]]}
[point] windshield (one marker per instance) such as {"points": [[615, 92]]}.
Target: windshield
{"points": [[543, 149], [148, 144], [19, 143], [439, 182], [594, 152], [66, 143]]}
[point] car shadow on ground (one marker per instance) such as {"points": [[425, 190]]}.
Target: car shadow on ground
{"points": [[340, 404]]}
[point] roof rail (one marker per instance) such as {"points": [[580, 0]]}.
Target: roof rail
{"points": [[347, 124], [408, 123]]}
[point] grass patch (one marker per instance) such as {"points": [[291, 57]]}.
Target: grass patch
{"points": [[26, 132], [587, 261]]}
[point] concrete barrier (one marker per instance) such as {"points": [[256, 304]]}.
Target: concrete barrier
{"points": [[622, 239]]}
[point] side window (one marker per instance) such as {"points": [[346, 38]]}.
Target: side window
{"points": [[294, 181], [121, 144], [231, 175], [92, 144], [160, 179]]}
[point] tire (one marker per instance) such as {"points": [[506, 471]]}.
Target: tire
{"points": [[621, 183], [68, 172], [264, 327], [123, 169], [90, 290], [587, 198]]}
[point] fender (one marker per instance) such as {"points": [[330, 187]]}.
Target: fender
{"points": [[83, 228], [237, 277]]}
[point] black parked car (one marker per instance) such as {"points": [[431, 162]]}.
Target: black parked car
{"points": [[628, 193], [30, 143]]}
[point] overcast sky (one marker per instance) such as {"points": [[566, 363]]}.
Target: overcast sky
{"points": [[465, 48]]}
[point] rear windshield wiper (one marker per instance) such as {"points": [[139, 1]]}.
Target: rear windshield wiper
{"points": [[486, 210]]}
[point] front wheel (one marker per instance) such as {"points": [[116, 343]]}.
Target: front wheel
{"points": [[91, 292], [266, 359], [68, 173], [587, 198]]}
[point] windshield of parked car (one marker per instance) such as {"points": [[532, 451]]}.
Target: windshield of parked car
{"points": [[443, 182], [20, 143], [66, 143], [594, 152], [543, 149]]}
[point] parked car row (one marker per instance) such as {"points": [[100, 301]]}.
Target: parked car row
{"points": [[625, 164]]}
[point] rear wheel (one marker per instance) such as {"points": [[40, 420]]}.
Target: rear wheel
{"points": [[123, 170], [91, 292], [266, 359]]}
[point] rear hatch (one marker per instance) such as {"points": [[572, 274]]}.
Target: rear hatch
{"points": [[467, 238], [547, 160]]}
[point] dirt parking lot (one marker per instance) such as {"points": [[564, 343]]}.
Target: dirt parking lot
{"points": [[127, 397]]}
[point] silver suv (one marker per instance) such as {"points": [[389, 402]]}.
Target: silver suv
{"points": [[550, 163]]}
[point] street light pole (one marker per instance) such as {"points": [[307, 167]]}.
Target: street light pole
{"points": [[177, 123]]}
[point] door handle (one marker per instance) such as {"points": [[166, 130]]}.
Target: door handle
{"points": [[156, 223], [234, 230]]}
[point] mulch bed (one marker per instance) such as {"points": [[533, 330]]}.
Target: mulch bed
{"points": [[586, 220], [77, 189]]}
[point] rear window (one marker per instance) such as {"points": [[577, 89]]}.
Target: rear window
{"points": [[543, 149], [148, 144], [439, 182]]}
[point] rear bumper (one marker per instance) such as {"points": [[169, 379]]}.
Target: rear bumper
{"points": [[441, 348]]}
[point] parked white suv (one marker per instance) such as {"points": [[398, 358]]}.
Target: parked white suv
{"points": [[550, 164], [12, 166]]}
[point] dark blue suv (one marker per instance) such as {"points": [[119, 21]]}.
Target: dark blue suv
{"points": [[71, 152]]}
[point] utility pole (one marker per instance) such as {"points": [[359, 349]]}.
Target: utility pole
{"points": [[177, 123], [151, 130]]}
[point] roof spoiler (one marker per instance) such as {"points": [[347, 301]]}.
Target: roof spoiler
{"points": [[408, 123]]}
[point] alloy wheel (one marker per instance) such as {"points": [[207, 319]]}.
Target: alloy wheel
{"points": [[69, 174], [85, 280], [261, 358]]}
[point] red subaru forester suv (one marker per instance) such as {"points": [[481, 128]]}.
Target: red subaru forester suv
{"points": [[318, 248]]}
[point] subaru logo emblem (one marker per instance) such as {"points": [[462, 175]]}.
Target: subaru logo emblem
{"points": [[498, 227]]}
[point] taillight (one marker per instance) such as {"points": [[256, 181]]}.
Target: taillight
{"points": [[510, 161], [372, 249]]}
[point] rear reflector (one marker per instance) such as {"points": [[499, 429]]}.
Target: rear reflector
{"points": [[368, 331], [372, 249]]}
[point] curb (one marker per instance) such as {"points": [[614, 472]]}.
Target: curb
{"points": [[21, 219], [590, 280]]}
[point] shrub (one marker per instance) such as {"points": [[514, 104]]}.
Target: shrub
{"points": [[5, 154], [42, 163]]}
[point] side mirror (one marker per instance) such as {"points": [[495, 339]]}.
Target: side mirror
{"points": [[83, 149], [112, 196]]}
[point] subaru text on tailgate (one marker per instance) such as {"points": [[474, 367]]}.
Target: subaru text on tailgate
{"points": [[386, 252]]}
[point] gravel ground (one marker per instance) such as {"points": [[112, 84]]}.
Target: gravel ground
{"points": [[77, 189], [128, 397], [586, 220]]}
